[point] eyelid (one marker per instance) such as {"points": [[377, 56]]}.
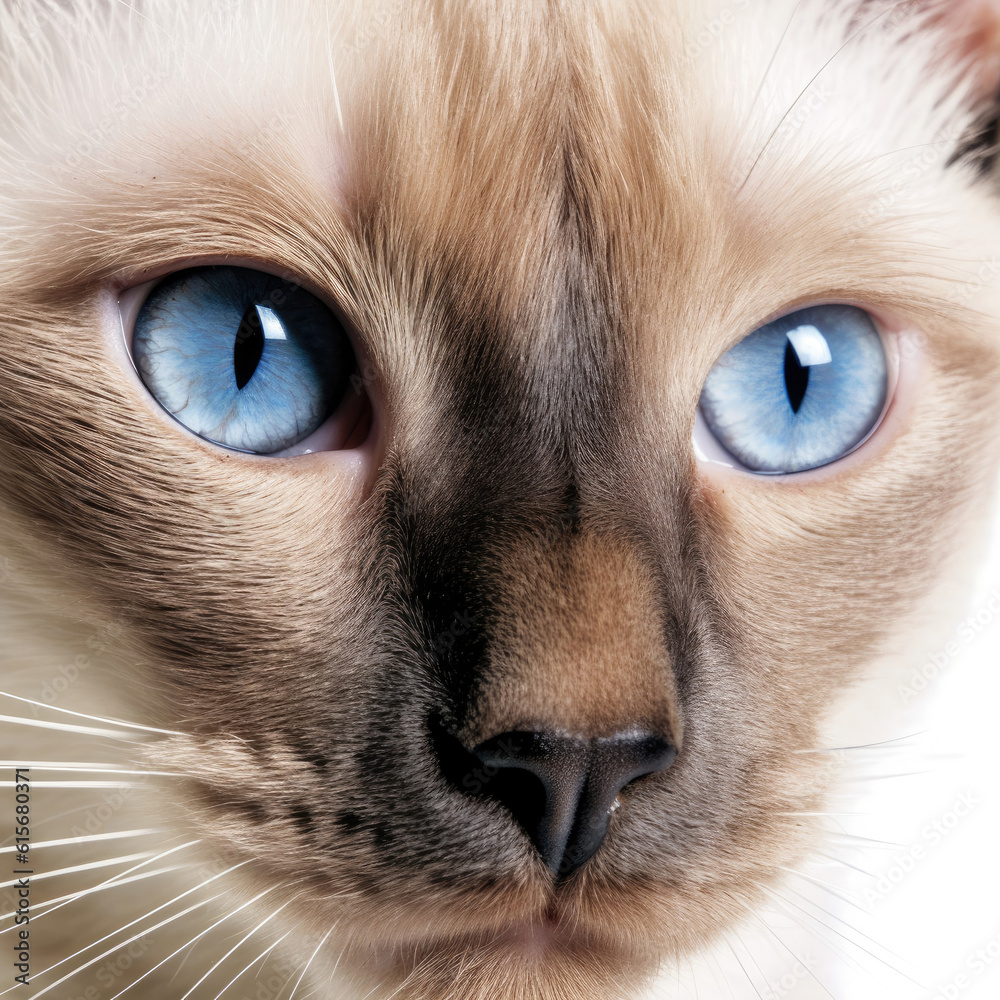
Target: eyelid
{"points": [[130, 297]]}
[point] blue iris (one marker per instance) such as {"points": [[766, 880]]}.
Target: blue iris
{"points": [[799, 392], [242, 358]]}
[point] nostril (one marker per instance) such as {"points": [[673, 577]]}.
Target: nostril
{"points": [[521, 791], [539, 777], [561, 789]]}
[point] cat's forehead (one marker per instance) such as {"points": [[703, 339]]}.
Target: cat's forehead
{"points": [[507, 161]]}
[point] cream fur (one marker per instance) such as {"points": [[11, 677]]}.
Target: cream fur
{"points": [[417, 163]]}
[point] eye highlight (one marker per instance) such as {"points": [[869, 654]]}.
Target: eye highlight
{"points": [[242, 358], [800, 392]]}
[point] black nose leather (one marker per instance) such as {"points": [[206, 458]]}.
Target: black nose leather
{"points": [[561, 789]]}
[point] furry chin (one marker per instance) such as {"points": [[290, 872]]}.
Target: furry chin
{"points": [[536, 961]]}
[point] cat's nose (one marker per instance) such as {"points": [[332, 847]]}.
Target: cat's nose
{"points": [[562, 789]]}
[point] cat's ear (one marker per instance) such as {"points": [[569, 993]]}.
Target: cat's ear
{"points": [[970, 40], [966, 43]]}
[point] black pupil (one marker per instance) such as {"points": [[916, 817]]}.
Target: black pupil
{"points": [[249, 347], [796, 378]]}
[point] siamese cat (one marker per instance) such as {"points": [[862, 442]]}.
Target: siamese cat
{"points": [[457, 460]]}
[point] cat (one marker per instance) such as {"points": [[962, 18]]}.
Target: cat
{"points": [[457, 462]]}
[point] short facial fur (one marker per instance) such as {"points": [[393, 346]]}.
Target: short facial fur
{"points": [[544, 222]]}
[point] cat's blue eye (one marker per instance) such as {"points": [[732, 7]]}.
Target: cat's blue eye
{"points": [[242, 358], [800, 392]]}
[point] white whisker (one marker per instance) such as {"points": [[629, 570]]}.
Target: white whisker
{"points": [[861, 778], [105, 863], [853, 839], [750, 955], [830, 814], [246, 968], [197, 937], [798, 959], [65, 727], [237, 946], [93, 718], [743, 969], [846, 864], [899, 741], [835, 890], [114, 948], [336, 965], [833, 946], [851, 941], [87, 839], [835, 917], [115, 879], [47, 905], [719, 975], [55, 765], [295, 988], [145, 916], [77, 784], [336, 89]]}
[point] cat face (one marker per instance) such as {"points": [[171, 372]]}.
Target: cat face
{"points": [[513, 687]]}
